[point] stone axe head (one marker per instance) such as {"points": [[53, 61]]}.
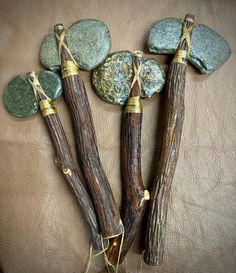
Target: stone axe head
{"points": [[208, 51]]}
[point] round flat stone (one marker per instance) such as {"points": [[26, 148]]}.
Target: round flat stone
{"points": [[88, 40], [113, 78], [208, 49], [48, 54], [51, 84], [164, 36], [19, 98]]}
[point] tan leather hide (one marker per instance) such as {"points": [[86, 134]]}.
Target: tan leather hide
{"points": [[41, 228]]}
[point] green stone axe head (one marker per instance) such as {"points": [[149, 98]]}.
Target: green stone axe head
{"points": [[84, 45], [207, 50], [24, 96], [88, 41], [124, 78], [112, 79]]}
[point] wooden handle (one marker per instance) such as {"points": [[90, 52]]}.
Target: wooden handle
{"points": [[133, 195], [86, 145], [71, 174], [156, 227]]}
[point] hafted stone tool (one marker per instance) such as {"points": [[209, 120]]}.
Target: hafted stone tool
{"points": [[207, 50]]}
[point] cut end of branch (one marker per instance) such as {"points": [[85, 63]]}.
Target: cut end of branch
{"points": [[59, 28], [31, 75], [189, 18]]}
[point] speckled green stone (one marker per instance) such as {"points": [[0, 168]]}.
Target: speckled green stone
{"points": [[19, 98], [113, 78], [88, 40], [164, 36], [48, 54], [208, 49]]}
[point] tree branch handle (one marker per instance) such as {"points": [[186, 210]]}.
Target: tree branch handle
{"points": [[86, 144], [68, 168], [133, 193], [156, 227]]}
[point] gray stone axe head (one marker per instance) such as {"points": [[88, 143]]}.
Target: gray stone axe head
{"points": [[207, 50]]}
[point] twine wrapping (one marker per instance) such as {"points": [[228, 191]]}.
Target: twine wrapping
{"points": [[68, 68], [47, 108], [108, 264], [46, 105], [181, 55], [133, 104]]}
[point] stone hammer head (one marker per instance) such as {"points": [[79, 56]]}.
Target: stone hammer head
{"points": [[208, 49]]}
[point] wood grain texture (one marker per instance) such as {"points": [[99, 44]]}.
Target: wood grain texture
{"points": [[201, 215], [156, 226], [87, 151], [69, 170], [133, 199]]}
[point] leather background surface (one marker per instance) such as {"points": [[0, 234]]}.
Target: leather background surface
{"points": [[41, 229]]}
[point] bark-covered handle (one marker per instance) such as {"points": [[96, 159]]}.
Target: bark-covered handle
{"points": [[72, 176], [65, 162], [134, 196], [175, 88], [86, 144]]}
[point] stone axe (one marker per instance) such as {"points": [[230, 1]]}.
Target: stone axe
{"points": [[208, 51], [124, 78], [85, 44], [24, 96]]}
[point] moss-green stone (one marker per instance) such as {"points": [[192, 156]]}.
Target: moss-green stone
{"points": [[164, 36], [48, 54], [113, 78], [88, 40], [19, 98], [208, 49]]}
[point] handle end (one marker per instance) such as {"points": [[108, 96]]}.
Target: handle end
{"points": [[59, 26]]}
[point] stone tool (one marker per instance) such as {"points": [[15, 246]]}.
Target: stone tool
{"points": [[207, 50], [22, 98], [123, 78], [84, 45]]}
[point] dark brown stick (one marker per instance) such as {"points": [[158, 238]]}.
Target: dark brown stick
{"points": [[70, 172], [156, 227], [134, 201], [87, 152]]}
